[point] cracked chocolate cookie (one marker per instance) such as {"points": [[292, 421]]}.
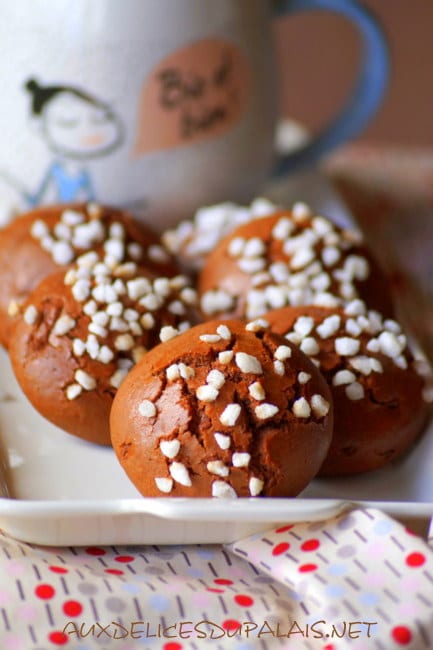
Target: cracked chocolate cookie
{"points": [[44, 240], [292, 257], [226, 409], [379, 396], [81, 331]]}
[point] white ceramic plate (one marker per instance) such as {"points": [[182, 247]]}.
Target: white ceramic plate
{"points": [[63, 491]]}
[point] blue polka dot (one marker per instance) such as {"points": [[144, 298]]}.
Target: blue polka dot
{"points": [[205, 554], [245, 646], [194, 572], [159, 602], [337, 569], [369, 599], [294, 595], [383, 527], [334, 590], [131, 588]]}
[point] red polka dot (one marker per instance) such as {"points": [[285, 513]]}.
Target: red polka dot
{"points": [[172, 646], [223, 581], [95, 550], [310, 545], [410, 532], [230, 624], [243, 601], [284, 529], [72, 608], [45, 591], [329, 646], [280, 548], [58, 638], [401, 634], [58, 569], [114, 572], [124, 558], [415, 559], [306, 568], [215, 591]]}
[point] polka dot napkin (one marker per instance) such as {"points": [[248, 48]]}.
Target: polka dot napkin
{"points": [[359, 580]]}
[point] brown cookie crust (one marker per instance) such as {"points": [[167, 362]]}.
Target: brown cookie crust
{"points": [[289, 258], [379, 410], [44, 240], [210, 413], [79, 334]]}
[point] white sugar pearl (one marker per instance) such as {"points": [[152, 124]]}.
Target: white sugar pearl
{"points": [[257, 391], [390, 345], [206, 393], [85, 380], [230, 415], [62, 253], [301, 408], [210, 338], [216, 379], [224, 332], [63, 325], [222, 490], [241, 459], [225, 357], [31, 315], [330, 255], [303, 325], [283, 352], [343, 377], [247, 363], [320, 406], [223, 441], [124, 342], [304, 377], [78, 347], [257, 325], [81, 290], [255, 486], [329, 326], [39, 229], [266, 411], [310, 346], [73, 391], [180, 474], [279, 368], [283, 228], [346, 346], [186, 372], [169, 448], [147, 409], [355, 391], [218, 468], [172, 372], [167, 333], [164, 484]]}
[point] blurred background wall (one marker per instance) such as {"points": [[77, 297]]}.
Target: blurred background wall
{"points": [[318, 54]]}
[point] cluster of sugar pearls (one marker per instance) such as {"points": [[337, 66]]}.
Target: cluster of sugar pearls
{"points": [[317, 254], [83, 230], [208, 392], [385, 337], [115, 331], [192, 240]]}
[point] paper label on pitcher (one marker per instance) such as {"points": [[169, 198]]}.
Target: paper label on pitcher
{"points": [[196, 93]]}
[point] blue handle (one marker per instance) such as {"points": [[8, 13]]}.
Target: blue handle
{"points": [[369, 89]]}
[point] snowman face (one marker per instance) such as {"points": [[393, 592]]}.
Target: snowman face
{"points": [[79, 128]]}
